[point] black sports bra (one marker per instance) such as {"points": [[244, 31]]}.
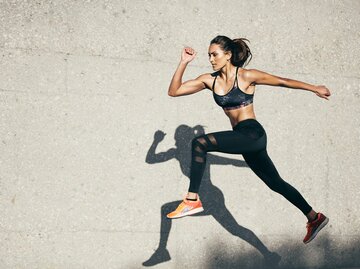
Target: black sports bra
{"points": [[233, 99]]}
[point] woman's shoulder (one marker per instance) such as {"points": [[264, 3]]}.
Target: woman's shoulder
{"points": [[206, 76], [207, 79], [247, 74], [244, 71]]}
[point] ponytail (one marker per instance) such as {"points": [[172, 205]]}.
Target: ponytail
{"points": [[241, 54], [240, 51]]}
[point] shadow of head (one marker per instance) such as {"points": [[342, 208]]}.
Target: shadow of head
{"points": [[184, 134]]}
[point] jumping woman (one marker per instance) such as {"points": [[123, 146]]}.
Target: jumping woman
{"points": [[233, 89]]}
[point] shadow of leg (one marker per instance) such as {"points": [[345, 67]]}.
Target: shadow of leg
{"points": [[224, 217], [161, 254]]}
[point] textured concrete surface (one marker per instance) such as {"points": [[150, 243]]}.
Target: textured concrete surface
{"points": [[83, 90]]}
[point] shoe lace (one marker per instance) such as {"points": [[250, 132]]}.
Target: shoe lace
{"points": [[309, 224], [181, 207]]}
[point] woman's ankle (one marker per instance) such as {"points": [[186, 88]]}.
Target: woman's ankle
{"points": [[191, 196], [312, 215]]}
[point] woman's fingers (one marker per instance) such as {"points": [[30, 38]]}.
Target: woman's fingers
{"points": [[188, 54], [323, 92], [190, 51]]}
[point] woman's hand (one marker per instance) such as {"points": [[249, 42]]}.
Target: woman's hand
{"points": [[187, 55], [322, 92]]}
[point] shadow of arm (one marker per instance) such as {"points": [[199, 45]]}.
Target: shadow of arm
{"points": [[161, 157], [152, 156]]}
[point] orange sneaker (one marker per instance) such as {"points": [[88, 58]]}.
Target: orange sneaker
{"points": [[186, 208]]}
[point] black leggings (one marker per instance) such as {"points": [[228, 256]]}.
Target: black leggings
{"points": [[249, 139]]}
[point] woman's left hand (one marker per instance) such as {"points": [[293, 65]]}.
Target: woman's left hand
{"points": [[322, 92]]}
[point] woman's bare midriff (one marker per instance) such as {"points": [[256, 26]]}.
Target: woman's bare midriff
{"points": [[240, 114]]}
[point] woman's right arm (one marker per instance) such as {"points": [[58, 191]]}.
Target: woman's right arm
{"points": [[177, 87]]}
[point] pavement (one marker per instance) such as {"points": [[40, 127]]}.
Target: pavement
{"points": [[85, 182]]}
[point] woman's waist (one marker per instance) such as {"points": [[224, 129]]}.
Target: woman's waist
{"points": [[240, 116], [245, 122], [240, 113]]}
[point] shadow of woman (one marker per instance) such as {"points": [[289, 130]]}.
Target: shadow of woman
{"points": [[211, 196]]}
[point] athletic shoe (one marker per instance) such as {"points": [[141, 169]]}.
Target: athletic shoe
{"points": [[159, 256], [314, 227], [186, 208], [272, 259]]}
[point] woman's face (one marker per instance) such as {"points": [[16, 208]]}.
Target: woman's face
{"points": [[217, 57]]}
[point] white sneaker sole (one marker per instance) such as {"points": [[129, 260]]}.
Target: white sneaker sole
{"points": [[322, 225], [191, 212]]}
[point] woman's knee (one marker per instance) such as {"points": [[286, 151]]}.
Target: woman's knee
{"points": [[199, 144]]}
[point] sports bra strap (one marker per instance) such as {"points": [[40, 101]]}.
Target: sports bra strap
{"points": [[236, 79], [214, 82]]}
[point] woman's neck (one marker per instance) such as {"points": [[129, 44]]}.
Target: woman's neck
{"points": [[227, 71]]}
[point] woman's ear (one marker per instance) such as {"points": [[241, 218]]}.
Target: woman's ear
{"points": [[228, 55]]}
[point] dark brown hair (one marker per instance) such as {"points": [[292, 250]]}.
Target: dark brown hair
{"points": [[240, 51]]}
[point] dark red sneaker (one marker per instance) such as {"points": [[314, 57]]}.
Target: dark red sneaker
{"points": [[315, 226]]}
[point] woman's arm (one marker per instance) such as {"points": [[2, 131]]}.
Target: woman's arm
{"points": [[176, 87], [254, 76]]}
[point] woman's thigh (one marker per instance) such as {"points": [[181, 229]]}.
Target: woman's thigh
{"points": [[234, 142]]}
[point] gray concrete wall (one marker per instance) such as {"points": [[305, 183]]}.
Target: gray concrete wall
{"points": [[83, 89]]}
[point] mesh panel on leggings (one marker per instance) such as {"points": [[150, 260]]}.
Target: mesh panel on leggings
{"points": [[201, 146]]}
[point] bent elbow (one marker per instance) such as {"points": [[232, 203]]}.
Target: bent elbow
{"points": [[174, 90], [172, 93]]}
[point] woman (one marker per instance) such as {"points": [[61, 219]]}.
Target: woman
{"points": [[233, 89]]}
